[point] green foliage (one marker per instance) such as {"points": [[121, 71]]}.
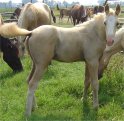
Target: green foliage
{"points": [[2, 10]]}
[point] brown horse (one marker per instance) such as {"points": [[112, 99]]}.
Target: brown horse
{"points": [[98, 9], [117, 46], [77, 12], [16, 13], [85, 42], [65, 12]]}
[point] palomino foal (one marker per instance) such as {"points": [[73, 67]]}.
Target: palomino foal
{"points": [[49, 42]]}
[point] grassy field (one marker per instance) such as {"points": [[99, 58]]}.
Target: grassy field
{"points": [[59, 92]]}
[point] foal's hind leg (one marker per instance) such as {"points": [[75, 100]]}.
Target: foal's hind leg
{"points": [[34, 104], [93, 71], [39, 69], [31, 73]]}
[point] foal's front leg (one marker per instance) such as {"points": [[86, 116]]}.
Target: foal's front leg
{"points": [[93, 71], [86, 82]]}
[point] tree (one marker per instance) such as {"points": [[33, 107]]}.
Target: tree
{"points": [[105, 2]]}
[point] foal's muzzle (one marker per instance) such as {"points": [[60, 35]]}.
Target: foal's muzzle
{"points": [[110, 41]]}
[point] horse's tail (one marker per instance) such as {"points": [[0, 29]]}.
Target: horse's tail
{"points": [[11, 30], [53, 16]]}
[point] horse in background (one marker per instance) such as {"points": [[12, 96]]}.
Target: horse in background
{"points": [[16, 13], [32, 16], [77, 12], [18, 10], [117, 46], [65, 12], [51, 42], [98, 9]]}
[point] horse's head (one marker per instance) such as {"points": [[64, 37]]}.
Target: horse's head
{"points": [[111, 21], [17, 11], [19, 45]]}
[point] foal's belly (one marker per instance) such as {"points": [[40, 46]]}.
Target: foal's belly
{"points": [[68, 55]]}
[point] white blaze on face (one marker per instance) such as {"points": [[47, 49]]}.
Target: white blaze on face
{"points": [[111, 22]]}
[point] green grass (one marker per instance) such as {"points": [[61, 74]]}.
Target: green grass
{"points": [[60, 90], [59, 93]]}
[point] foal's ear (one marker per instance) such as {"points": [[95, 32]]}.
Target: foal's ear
{"points": [[118, 9], [107, 8]]}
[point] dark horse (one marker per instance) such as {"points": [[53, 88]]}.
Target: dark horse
{"points": [[77, 12], [98, 9], [10, 54], [65, 12], [16, 13]]}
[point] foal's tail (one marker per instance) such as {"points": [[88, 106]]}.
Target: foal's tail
{"points": [[12, 30]]}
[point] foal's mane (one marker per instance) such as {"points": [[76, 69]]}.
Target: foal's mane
{"points": [[111, 11], [98, 18]]}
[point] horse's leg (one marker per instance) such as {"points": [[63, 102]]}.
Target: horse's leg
{"points": [[78, 20], [68, 19], [93, 71], [34, 104], [59, 18], [74, 20], [31, 73], [39, 69], [86, 82]]}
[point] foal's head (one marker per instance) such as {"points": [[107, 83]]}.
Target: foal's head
{"points": [[111, 22]]}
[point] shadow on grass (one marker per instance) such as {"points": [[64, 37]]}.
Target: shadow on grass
{"points": [[88, 114], [111, 92]]}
